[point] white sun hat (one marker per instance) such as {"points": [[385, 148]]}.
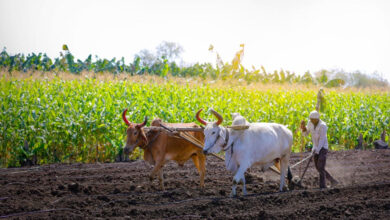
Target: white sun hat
{"points": [[314, 115]]}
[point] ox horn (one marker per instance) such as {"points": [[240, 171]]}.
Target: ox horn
{"points": [[143, 123], [124, 118], [220, 119], [198, 117]]}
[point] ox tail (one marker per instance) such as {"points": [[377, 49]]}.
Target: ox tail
{"points": [[289, 174]]}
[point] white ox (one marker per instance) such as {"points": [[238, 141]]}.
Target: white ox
{"points": [[262, 144]]}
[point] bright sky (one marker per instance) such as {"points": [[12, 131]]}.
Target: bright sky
{"points": [[296, 35]]}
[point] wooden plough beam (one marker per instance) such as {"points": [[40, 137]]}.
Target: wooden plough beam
{"points": [[172, 129]]}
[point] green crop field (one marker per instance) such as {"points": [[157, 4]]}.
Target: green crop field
{"points": [[80, 120]]}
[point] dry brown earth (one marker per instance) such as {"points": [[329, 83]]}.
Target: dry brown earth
{"points": [[119, 190]]}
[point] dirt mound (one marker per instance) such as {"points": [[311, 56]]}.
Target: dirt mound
{"points": [[124, 190]]}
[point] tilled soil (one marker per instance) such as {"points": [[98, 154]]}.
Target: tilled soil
{"points": [[123, 190]]}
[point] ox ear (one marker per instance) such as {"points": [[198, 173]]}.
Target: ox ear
{"points": [[143, 136], [222, 133]]}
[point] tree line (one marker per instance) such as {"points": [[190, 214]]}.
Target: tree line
{"points": [[166, 61]]}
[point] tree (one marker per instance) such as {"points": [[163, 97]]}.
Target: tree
{"points": [[322, 76], [169, 50], [166, 52], [307, 78], [147, 57]]}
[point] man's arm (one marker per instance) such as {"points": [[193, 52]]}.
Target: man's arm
{"points": [[305, 130]]}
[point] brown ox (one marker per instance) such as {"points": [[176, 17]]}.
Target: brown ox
{"points": [[159, 147]]}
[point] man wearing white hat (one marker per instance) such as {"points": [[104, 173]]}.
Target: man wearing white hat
{"points": [[318, 130]]}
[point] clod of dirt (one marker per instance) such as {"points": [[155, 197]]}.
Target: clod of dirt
{"points": [[188, 193], [61, 187], [133, 212], [216, 202], [222, 192], [296, 183], [103, 198], [167, 195], [108, 178], [88, 190], [296, 180], [132, 202], [33, 191], [305, 194], [132, 188], [74, 187], [116, 191], [262, 214], [54, 192], [248, 178]]}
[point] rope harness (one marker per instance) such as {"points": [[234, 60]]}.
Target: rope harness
{"points": [[153, 139], [150, 142], [225, 145]]}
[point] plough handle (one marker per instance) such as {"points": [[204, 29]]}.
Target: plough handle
{"points": [[299, 162], [307, 166]]}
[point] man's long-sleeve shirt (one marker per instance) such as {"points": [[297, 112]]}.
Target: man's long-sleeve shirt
{"points": [[318, 135]]}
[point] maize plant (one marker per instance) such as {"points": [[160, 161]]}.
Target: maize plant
{"points": [[79, 120]]}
